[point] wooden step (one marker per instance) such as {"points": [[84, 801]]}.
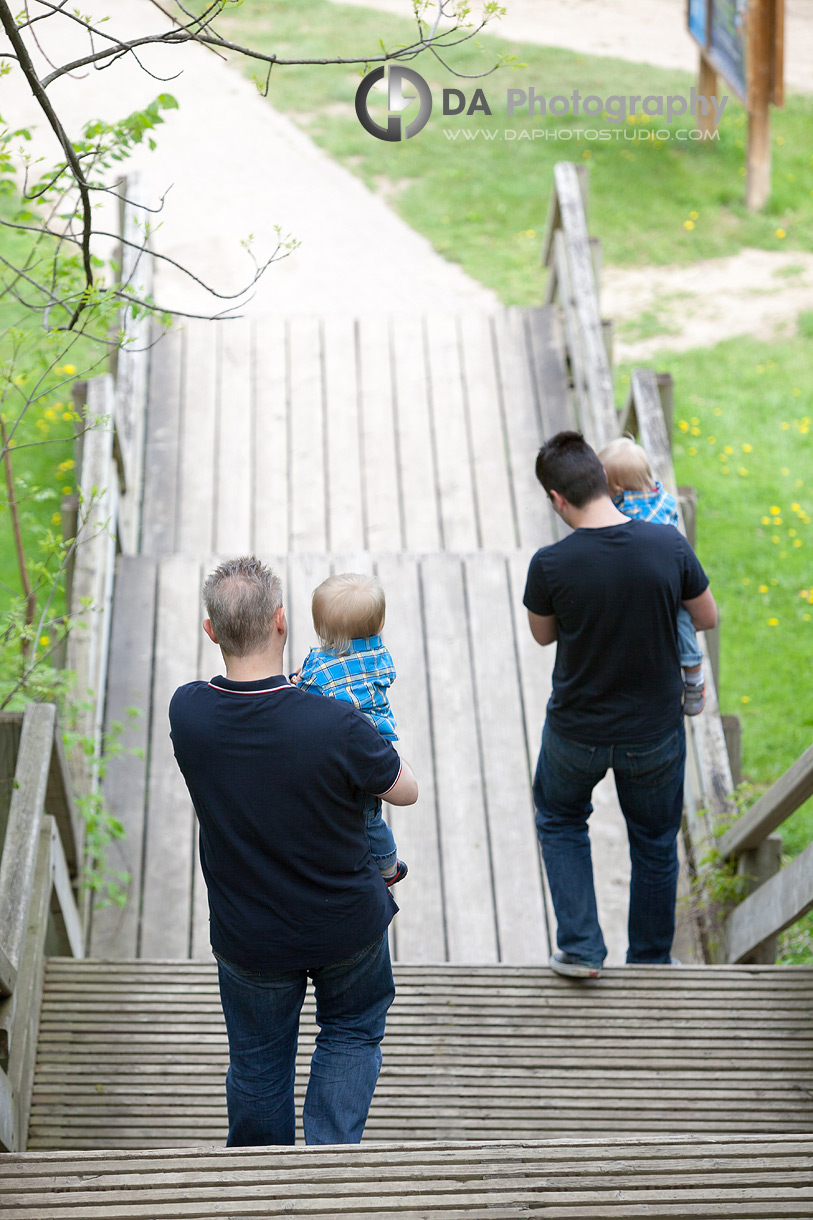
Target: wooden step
{"points": [[133, 1054], [766, 1176]]}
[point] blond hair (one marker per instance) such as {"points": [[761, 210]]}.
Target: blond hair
{"points": [[627, 465], [345, 607]]}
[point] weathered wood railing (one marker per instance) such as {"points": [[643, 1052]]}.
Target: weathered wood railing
{"points": [[41, 836], [572, 256], [780, 896]]}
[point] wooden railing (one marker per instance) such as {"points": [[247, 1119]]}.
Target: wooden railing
{"points": [[780, 896], [41, 837], [109, 459], [572, 257]]}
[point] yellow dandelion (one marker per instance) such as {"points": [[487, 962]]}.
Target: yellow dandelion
{"points": [[806, 618], [784, 472], [784, 426], [64, 467], [45, 640], [780, 233], [763, 588], [695, 431], [791, 533], [742, 471], [683, 425], [718, 410], [796, 507], [766, 521], [775, 510], [688, 224], [797, 393], [728, 449], [725, 470], [745, 699], [68, 415], [797, 542], [56, 518], [748, 448], [712, 440], [69, 369], [773, 622], [694, 215], [775, 539], [66, 491], [692, 451]]}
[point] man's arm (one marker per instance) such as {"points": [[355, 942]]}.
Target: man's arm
{"points": [[405, 789], [702, 611], [544, 627]]}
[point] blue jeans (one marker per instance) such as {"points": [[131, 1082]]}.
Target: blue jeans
{"points": [[379, 835], [649, 782], [262, 1022], [688, 651]]}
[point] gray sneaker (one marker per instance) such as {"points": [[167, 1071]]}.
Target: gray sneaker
{"points": [[562, 963], [694, 699]]}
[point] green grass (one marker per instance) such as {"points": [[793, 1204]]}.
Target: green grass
{"points": [[744, 439], [483, 203]]}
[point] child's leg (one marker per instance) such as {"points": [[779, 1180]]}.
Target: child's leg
{"points": [[379, 836], [691, 658]]}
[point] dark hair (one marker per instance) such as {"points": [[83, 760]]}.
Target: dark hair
{"points": [[567, 464]]}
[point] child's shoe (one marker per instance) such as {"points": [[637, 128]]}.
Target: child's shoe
{"points": [[401, 871], [694, 698]]}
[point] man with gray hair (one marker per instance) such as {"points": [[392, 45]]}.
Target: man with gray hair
{"points": [[278, 778]]}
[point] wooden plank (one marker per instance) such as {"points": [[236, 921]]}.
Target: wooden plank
{"points": [[495, 507], [271, 522], [596, 367], [25, 1005], [416, 434], [232, 531], [450, 454], [509, 804], [61, 802], [305, 572], [159, 513], [572, 338], [307, 459], [549, 371], [18, 864], [522, 425], [197, 499], [63, 903], [464, 838], [774, 906], [167, 860], [344, 495], [380, 473], [114, 930], [419, 928], [7, 1116], [781, 800]]}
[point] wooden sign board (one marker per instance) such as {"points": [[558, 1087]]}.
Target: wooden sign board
{"points": [[743, 42]]}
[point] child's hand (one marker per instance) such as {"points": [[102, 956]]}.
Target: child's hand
{"points": [[295, 676]]}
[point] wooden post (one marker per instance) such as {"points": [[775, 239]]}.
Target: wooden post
{"points": [[706, 86], [666, 389], [759, 865], [732, 730], [760, 79], [688, 506]]}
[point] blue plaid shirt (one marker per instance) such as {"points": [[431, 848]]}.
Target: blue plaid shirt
{"points": [[658, 506], [360, 676]]}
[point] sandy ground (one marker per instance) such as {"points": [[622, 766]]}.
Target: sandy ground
{"points": [[641, 31], [235, 167]]}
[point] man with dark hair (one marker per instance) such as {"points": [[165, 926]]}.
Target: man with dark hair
{"points": [[278, 778], [608, 594]]}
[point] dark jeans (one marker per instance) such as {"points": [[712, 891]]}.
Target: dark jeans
{"points": [[649, 782], [262, 1021]]}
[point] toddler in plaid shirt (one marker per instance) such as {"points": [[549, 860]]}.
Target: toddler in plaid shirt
{"points": [[353, 664], [637, 494]]}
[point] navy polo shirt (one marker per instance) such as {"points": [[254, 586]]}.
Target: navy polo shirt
{"points": [[278, 778]]}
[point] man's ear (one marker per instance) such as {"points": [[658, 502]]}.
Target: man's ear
{"points": [[280, 621], [557, 500], [207, 627]]}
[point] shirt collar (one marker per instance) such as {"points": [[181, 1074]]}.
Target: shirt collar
{"points": [[364, 645], [256, 687]]}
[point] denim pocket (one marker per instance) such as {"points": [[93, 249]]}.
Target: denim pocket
{"points": [[565, 757], [657, 764]]}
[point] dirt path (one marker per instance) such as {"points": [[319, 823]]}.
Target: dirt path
{"points": [[641, 31]]}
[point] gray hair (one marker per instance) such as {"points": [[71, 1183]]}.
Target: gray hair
{"points": [[241, 598]]}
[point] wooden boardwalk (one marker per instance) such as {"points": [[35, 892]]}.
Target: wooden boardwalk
{"points": [[133, 1055], [342, 445]]}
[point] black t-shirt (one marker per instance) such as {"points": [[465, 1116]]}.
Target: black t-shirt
{"points": [[615, 592], [278, 778]]}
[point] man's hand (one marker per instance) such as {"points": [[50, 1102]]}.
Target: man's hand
{"points": [[405, 789], [544, 627]]}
